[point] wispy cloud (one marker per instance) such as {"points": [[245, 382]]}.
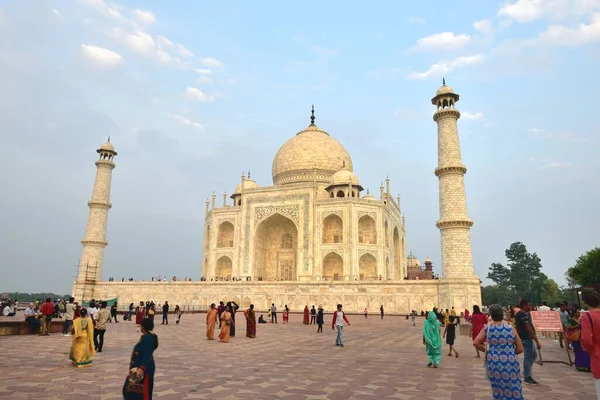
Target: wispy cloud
{"points": [[101, 57], [471, 116], [211, 62], [403, 113], [323, 51], [198, 95], [443, 67], [186, 121], [559, 135], [531, 10], [444, 41], [546, 163], [144, 17], [204, 71], [484, 26], [415, 20]]}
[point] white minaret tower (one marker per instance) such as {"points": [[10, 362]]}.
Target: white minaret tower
{"points": [[454, 223], [94, 242]]}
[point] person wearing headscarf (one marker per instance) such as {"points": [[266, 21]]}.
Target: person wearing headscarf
{"points": [[139, 384], [250, 322], [82, 347], [432, 340]]}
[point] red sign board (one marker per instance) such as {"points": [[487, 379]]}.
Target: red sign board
{"points": [[546, 321]]}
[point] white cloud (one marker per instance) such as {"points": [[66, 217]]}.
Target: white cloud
{"points": [[183, 51], [103, 8], [443, 41], [204, 71], [443, 67], [186, 121], [556, 164], [211, 62], [101, 56], [415, 20], [578, 35], [559, 135], [484, 26], [198, 95], [138, 41], [144, 17], [471, 116], [55, 12], [530, 10], [205, 79]]}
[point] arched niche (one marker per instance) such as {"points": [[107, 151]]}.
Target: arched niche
{"points": [[224, 268], [367, 267], [275, 249], [387, 235], [397, 255], [225, 235], [367, 230], [333, 229], [333, 267]]}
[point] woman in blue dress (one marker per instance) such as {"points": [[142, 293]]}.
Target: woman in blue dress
{"points": [[140, 381], [503, 366]]}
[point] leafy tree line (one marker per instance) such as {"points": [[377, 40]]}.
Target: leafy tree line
{"points": [[522, 278], [34, 296]]}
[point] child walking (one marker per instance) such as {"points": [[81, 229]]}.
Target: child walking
{"points": [[338, 322], [450, 334], [432, 340]]}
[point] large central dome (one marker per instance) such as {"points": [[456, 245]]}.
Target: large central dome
{"points": [[312, 155]]}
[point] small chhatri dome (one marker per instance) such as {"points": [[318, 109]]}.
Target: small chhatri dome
{"points": [[445, 90], [369, 196], [248, 184], [108, 147], [344, 177], [310, 156], [412, 261]]}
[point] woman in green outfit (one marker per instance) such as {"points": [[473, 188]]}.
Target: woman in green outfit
{"points": [[432, 340]]}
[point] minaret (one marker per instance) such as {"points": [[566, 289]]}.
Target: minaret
{"points": [[454, 223], [94, 242]]}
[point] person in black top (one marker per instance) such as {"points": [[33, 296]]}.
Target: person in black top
{"points": [[165, 313], [526, 332], [313, 315], [113, 313], [450, 334]]}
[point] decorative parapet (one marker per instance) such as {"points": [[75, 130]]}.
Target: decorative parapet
{"points": [[458, 169], [457, 223]]}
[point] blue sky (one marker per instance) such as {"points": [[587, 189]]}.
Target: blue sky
{"points": [[193, 93]]}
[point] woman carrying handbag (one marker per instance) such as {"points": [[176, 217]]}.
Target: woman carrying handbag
{"points": [[501, 345]]}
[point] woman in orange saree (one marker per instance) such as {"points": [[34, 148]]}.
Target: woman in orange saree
{"points": [[306, 315], [211, 321], [226, 325], [82, 348]]}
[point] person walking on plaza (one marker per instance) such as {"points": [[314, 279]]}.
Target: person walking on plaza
{"points": [[366, 312], [220, 310], [450, 335], [113, 313], [590, 332], [526, 332], [211, 320], [313, 315], [102, 318], [478, 321], [273, 313], [338, 322], [250, 322], [178, 313], [286, 314], [227, 322], [140, 314], [165, 312], [432, 340], [233, 310], [69, 314], [47, 310], [320, 318], [306, 318], [503, 367], [381, 311], [139, 384], [413, 317], [82, 346]]}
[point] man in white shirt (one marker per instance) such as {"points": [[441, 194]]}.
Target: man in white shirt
{"points": [[338, 322], [544, 307], [69, 313]]}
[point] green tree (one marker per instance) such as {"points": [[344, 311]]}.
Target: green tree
{"points": [[552, 293], [586, 270], [522, 275], [494, 294]]}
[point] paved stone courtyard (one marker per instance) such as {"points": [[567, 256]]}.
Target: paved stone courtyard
{"points": [[381, 359]]}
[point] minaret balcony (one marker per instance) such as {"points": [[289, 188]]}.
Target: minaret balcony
{"points": [[465, 222], [99, 204], [446, 113], [455, 169]]}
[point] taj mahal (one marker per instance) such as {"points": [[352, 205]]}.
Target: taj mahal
{"points": [[313, 237]]}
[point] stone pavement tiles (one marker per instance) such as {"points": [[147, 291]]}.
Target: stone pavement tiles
{"points": [[381, 359]]}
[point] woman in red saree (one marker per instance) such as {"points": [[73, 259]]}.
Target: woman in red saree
{"points": [[306, 315], [250, 322], [478, 321], [286, 314]]}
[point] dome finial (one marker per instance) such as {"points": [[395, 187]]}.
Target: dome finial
{"points": [[444, 81], [312, 115], [109, 139]]}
